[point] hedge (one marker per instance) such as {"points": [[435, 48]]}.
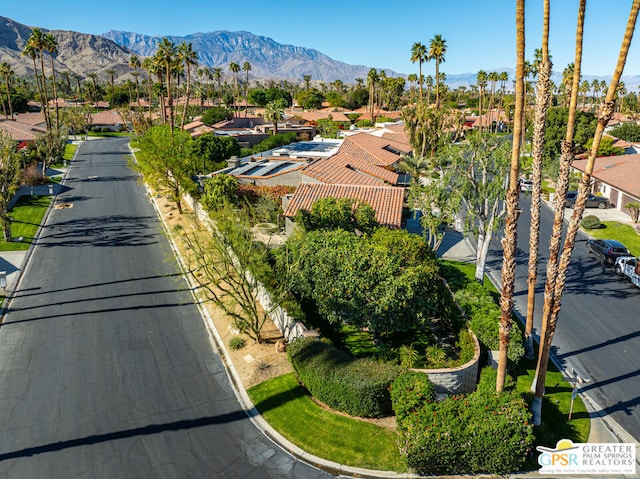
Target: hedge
{"points": [[359, 387], [484, 317], [483, 432]]}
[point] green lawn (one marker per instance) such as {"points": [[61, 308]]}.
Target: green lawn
{"points": [[27, 215], [69, 151], [617, 231], [290, 411]]}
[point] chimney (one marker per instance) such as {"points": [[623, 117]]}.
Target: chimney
{"points": [[233, 162]]}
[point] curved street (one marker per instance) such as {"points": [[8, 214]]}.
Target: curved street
{"points": [[106, 366]]}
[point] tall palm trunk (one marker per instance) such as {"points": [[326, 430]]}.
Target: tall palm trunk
{"points": [[510, 239], [55, 91], [562, 185], [187, 94], [553, 292], [45, 100], [542, 104]]}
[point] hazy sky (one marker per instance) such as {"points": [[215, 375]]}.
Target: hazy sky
{"points": [[479, 33]]}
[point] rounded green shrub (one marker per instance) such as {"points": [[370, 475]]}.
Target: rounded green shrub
{"points": [[591, 222], [359, 387], [481, 433]]}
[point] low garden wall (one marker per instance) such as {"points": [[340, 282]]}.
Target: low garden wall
{"points": [[460, 380]]}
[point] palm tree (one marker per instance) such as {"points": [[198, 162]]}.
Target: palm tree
{"points": [[151, 68], [543, 96], [493, 80], [567, 78], [7, 73], [274, 112], [595, 86], [165, 57], [437, 51], [372, 79], [30, 51], [412, 78], [234, 68], [428, 82], [188, 56], [509, 242], [94, 86], [36, 43], [51, 45], [481, 81], [419, 54], [77, 78], [217, 73], [551, 310], [246, 67], [111, 72], [307, 81], [134, 62]]}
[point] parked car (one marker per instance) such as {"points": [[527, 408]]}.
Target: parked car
{"points": [[606, 250], [525, 185], [593, 201], [630, 267]]}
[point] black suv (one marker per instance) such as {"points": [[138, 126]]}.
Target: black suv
{"points": [[593, 201], [607, 250]]}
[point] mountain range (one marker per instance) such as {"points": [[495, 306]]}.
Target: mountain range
{"points": [[83, 53]]}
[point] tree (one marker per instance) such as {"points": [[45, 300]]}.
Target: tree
{"points": [[274, 112], [134, 62], [111, 72], [164, 159], [50, 146], [437, 51], [543, 95], [307, 81], [234, 68], [7, 74], [387, 281], [226, 266], [430, 129], [481, 80], [557, 271], [606, 147], [372, 80], [165, 58], [342, 213], [10, 176], [210, 151], [310, 99], [220, 190], [51, 46], [627, 131], [510, 239], [246, 67], [419, 54], [34, 47], [477, 171], [189, 58]]}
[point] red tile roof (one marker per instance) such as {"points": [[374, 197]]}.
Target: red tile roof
{"points": [[109, 117], [19, 131], [386, 201], [350, 168], [381, 151], [621, 172]]}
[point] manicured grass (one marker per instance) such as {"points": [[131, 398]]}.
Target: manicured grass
{"points": [[27, 216], [69, 151], [617, 231], [290, 411], [108, 133], [555, 407]]}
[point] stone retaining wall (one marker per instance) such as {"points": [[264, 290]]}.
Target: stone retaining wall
{"points": [[460, 380]]}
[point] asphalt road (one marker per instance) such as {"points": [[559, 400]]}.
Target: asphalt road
{"points": [[106, 367], [598, 333]]}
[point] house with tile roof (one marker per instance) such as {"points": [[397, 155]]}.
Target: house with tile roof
{"points": [[617, 178], [21, 131], [386, 201]]}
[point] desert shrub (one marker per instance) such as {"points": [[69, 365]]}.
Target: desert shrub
{"points": [[591, 222], [237, 342], [359, 387], [483, 432]]}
